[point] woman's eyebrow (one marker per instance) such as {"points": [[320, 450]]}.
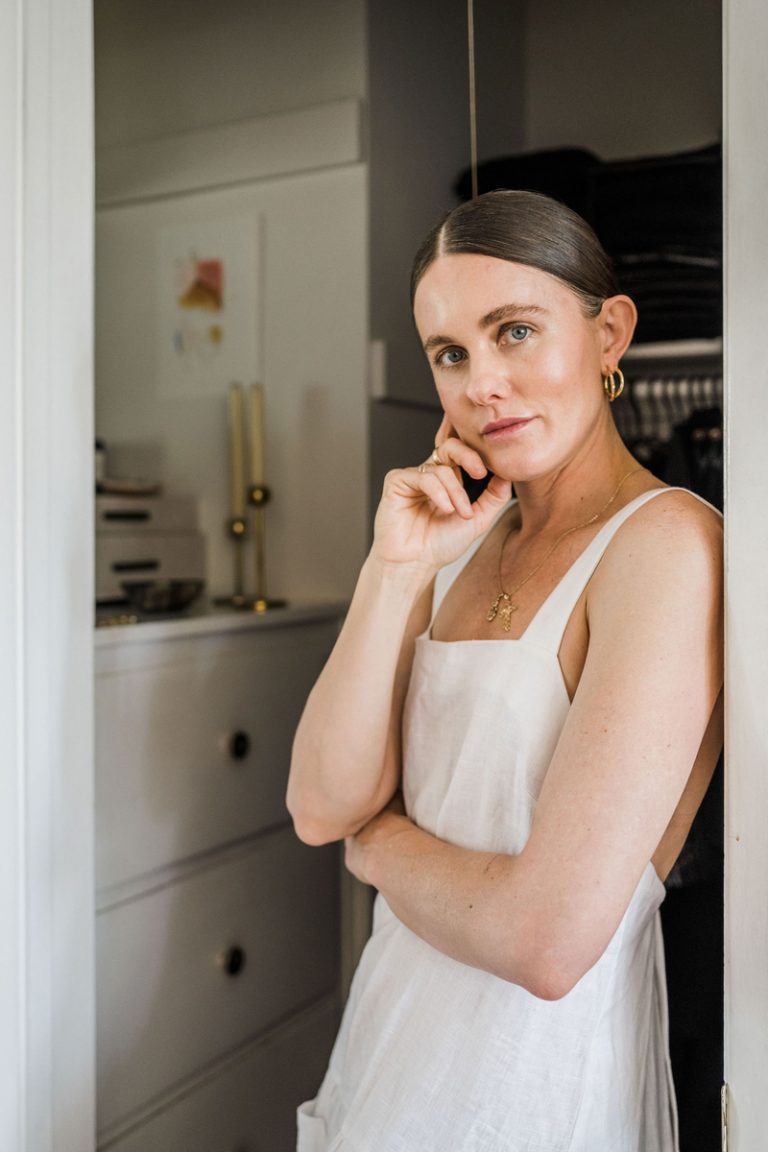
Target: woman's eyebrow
{"points": [[501, 313], [436, 342], [507, 310]]}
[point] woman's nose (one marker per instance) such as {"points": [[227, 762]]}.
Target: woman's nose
{"points": [[487, 380]]}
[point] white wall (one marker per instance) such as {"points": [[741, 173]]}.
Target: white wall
{"points": [[314, 321], [164, 67], [173, 67], [623, 79]]}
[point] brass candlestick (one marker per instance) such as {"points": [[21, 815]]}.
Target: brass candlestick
{"points": [[237, 530], [259, 496]]}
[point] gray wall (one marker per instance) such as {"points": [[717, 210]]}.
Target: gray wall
{"points": [[625, 79], [419, 142], [165, 66]]}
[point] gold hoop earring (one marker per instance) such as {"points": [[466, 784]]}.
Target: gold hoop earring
{"points": [[613, 386]]}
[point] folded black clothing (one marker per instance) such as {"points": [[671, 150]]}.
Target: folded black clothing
{"points": [[671, 288], [566, 174], [655, 201], [698, 261], [658, 217], [656, 326]]}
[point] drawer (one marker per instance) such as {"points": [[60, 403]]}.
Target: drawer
{"points": [[166, 1006], [154, 556], [137, 515], [250, 1104], [167, 786]]}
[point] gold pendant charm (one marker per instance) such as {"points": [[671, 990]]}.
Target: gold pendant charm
{"points": [[505, 611], [506, 615]]}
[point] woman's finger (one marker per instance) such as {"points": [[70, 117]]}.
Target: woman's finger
{"points": [[496, 494], [459, 455], [444, 432], [439, 484], [452, 449], [442, 487]]}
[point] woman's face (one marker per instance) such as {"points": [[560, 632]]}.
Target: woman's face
{"points": [[516, 362]]}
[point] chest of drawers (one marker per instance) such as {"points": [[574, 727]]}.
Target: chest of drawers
{"points": [[217, 932]]}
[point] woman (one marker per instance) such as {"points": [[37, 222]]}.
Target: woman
{"points": [[541, 677]]}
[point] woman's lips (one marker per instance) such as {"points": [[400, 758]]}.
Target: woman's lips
{"points": [[501, 429]]}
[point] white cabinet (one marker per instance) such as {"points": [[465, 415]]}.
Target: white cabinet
{"points": [[217, 933], [236, 1108]]}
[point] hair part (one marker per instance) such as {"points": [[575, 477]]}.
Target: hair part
{"points": [[524, 228]]}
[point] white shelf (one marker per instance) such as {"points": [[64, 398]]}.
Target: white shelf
{"points": [[205, 621], [675, 350]]}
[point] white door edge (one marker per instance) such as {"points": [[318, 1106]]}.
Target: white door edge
{"points": [[47, 1062], [745, 42]]}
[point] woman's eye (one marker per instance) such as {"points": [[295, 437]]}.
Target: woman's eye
{"points": [[516, 333], [449, 356]]}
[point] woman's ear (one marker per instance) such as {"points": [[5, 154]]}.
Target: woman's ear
{"points": [[617, 319]]}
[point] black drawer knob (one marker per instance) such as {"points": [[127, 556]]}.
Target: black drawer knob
{"points": [[232, 960], [239, 745]]}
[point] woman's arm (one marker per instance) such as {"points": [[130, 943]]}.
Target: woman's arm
{"points": [[639, 720], [346, 755]]}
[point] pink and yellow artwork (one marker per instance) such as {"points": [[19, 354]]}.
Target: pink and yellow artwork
{"points": [[207, 303], [200, 284]]}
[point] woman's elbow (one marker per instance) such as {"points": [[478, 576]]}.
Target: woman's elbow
{"points": [[314, 822], [550, 983], [309, 829], [311, 832], [546, 972]]}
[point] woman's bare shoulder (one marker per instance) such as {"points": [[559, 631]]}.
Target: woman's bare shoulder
{"points": [[675, 519], [673, 541]]}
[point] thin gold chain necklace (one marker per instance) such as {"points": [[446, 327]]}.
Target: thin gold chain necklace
{"points": [[503, 605]]}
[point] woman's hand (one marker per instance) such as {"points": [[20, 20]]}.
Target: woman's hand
{"points": [[425, 517], [388, 823]]}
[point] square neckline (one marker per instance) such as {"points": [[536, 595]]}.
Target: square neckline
{"points": [[427, 633]]}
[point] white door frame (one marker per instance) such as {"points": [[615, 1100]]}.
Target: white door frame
{"points": [[47, 1066], [745, 41]]}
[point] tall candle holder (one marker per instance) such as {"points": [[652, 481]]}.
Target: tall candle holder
{"points": [[259, 496], [237, 530], [236, 525]]}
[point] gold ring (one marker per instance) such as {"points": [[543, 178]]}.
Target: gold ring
{"points": [[432, 462]]}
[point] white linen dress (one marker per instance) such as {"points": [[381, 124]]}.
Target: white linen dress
{"points": [[435, 1056]]}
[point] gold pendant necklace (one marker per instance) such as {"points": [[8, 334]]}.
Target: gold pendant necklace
{"points": [[503, 606]]}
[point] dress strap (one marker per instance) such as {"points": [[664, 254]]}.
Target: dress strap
{"points": [[549, 623]]}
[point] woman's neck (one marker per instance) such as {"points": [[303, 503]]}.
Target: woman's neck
{"points": [[577, 489]]}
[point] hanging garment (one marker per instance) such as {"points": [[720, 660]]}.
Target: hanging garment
{"points": [[437, 1056]]}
